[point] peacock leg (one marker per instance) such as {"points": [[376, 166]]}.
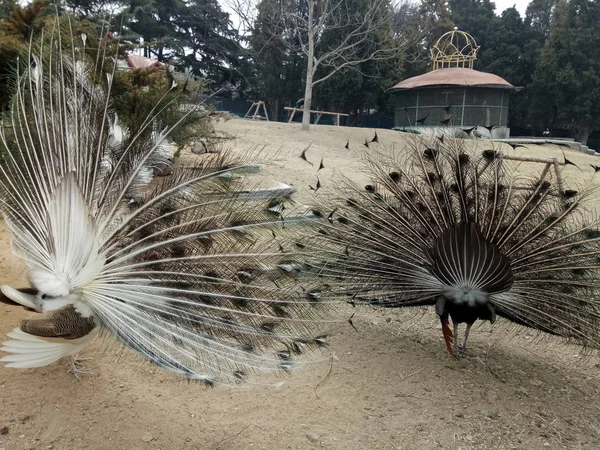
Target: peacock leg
{"points": [[447, 333], [463, 348], [76, 367], [456, 346]]}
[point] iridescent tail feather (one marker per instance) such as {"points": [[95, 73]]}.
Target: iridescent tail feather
{"points": [[444, 223]]}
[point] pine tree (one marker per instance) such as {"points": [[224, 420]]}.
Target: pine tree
{"points": [[156, 22], [436, 20], [278, 69], [539, 16], [6, 8], [208, 42], [474, 17], [510, 53], [566, 87], [16, 30]]}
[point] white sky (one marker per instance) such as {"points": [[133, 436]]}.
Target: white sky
{"points": [[501, 5]]}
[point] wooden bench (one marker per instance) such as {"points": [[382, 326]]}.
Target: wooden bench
{"points": [[336, 115]]}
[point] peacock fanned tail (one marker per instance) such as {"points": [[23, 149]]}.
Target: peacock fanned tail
{"points": [[182, 269], [446, 224]]}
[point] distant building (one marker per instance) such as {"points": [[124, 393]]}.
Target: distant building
{"points": [[133, 61], [454, 95]]}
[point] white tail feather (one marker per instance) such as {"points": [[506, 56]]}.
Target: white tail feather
{"points": [[28, 351], [185, 270], [21, 298], [73, 250]]}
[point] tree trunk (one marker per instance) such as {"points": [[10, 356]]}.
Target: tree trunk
{"points": [[307, 99], [582, 133], [276, 111], [310, 68]]}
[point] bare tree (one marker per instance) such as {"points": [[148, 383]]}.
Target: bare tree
{"points": [[361, 38], [368, 36]]}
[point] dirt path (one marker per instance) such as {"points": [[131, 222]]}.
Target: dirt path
{"points": [[390, 385]]}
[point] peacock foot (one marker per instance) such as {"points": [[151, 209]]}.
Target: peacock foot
{"points": [[75, 366]]}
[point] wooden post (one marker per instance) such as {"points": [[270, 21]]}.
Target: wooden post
{"points": [[292, 114], [256, 106], [249, 109], [550, 162], [532, 159], [559, 181], [265, 110]]}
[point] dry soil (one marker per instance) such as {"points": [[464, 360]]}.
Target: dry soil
{"points": [[390, 384]]}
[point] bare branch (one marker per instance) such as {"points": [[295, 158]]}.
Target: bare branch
{"points": [[244, 11], [335, 37], [379, 55]]}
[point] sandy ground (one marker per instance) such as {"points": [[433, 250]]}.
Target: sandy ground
{"points": [[391, 385]]}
